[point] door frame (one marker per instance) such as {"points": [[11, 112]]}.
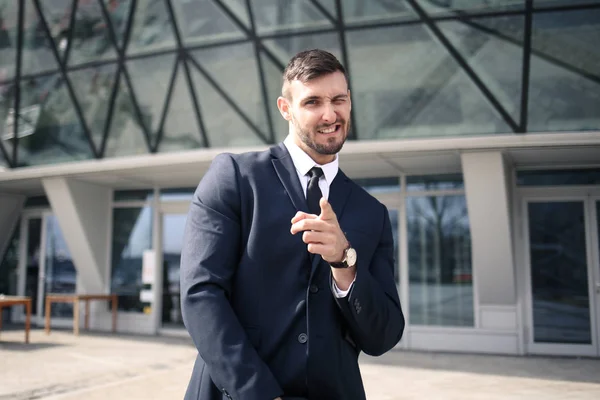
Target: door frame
{"points": [[38, 318], [180, 207], [559, 195]]}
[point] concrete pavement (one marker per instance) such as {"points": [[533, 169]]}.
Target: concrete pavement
{"points": [[103, 366]]}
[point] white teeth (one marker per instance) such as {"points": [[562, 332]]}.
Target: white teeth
{"points": [[330, 130]]}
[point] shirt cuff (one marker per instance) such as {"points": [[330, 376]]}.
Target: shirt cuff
{"points": [[338, 293]]}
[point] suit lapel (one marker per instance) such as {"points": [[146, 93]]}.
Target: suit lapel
{"points": [[286, 171], [339, 192]]}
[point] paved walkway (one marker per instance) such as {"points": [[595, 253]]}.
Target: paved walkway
{"points": [[102, 366]]}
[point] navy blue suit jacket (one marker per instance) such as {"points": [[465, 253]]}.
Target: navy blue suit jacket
{"points": [[259, 308]]}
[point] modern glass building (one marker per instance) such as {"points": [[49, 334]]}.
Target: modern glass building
{"points": [[477, 122]]}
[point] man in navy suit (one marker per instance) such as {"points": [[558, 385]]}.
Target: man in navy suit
{"points": [[287, 269]]}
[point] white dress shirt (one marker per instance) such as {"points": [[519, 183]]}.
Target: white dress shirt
{"points": [[303, 164]]}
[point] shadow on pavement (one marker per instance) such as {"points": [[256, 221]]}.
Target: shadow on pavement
{"points": [[27, 347], [570, 369]]}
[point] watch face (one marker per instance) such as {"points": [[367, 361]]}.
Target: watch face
{"points": [[351, 257]]}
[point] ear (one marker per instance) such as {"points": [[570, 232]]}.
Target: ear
{"points": [[350, 99], [284, 108]]}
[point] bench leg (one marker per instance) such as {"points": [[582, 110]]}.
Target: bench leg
{"points": [[76, 317], [27, 320], [48, 308], [87, 315], [115, 302]]}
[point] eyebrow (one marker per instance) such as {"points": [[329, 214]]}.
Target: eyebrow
{"points": [[336, 97]]}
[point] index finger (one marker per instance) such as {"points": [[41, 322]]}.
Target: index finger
{"points": [[327, 212]]}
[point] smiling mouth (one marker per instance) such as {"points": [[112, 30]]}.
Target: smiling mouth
{"points": [[330, 129]]}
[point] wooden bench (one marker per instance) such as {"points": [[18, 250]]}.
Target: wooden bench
{"points": [[76, 299], [9, 301]]}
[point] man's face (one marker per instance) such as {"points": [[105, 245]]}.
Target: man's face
{"points": [[319, 111]]}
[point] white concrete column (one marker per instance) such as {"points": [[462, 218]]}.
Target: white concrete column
{"points": [[488, 201], [83, 213], [10, 212]]}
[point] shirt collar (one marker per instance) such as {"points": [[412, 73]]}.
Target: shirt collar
{"points": [[304, 163]]}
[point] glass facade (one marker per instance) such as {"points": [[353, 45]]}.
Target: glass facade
{"points": [[89, 79]]}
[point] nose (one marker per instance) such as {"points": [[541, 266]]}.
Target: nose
{"points": [[329, 115]]}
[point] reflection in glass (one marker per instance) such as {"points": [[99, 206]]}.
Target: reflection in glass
{"points": [[151, 28], [439, 253], [562, 177], [132, 235], [379, 185], [177, 194], [419, 183], [9, 263], [150, 79], [61, 275], [133, 195], [202, 21], [181, 130], [562, 98], [49, 129], [9, 12], [37, 53], [231, 65], [89, 33], [559, 276], [7, 129], [274, 16], [496, 61], [287, 47], [453, 7], [273, 81], [361, 11], [93, 87], [223, 124], [173, 227], [415, 89], [32, 261], [126, 133]]}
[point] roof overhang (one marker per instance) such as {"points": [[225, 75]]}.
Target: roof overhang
{"points": [[358, 159]]}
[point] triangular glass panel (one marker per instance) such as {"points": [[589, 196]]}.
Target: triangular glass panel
{"points": [[181, 130], [454, 8], [8, 39], [330, 7], [275, 16], [368, 12], [205, 22], [126, 133], [274, 80], [37, 55], [497, 62], [561, 100], [93, 88], [229, 66], [150, 78], [285, 48], [151, 28], [91, 39], [58, 16], [118, 12], [415, 89], [7, 129], [223, 124], [50, 130]]}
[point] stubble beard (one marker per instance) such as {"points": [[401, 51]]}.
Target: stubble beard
{"points": [[331, 147]]}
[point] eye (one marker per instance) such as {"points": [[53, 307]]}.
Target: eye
{"points": [[311, 102]]}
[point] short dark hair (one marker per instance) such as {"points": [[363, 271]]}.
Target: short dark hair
{"points": [[311, 64]]}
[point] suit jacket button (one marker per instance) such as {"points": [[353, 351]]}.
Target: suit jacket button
{"points": [[314, 288], [302, 338]]}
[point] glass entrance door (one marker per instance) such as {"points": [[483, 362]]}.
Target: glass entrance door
{"points": [[172, 243], [561, 272], [46, 265]]}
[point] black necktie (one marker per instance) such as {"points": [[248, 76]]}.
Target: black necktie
{"points": [[313, 192]]}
